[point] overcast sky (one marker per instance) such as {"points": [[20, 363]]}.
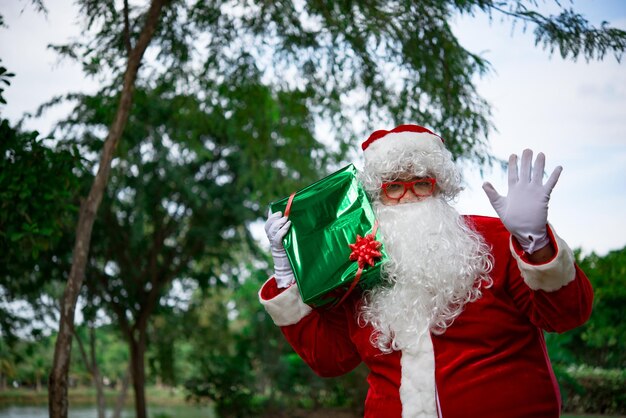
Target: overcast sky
{"points": [[574, 112]]}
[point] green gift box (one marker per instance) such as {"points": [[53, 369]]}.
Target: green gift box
{"points": [[326, 218]]}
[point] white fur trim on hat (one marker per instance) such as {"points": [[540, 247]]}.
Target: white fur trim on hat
{"points": [[552, 275], [286, 308], [400, 142]]}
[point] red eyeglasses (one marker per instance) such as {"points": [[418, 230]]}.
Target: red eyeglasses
{"points": [[396, 190]]}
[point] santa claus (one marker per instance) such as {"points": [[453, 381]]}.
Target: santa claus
{"points": [[456, 327]]}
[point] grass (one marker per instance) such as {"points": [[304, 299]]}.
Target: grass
{"points": [[155, 395], [589, 416]]}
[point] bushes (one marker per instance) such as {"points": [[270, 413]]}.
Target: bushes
{"points": [[593, 390], [599, 387]]}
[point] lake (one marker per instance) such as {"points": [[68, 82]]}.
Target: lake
{"points": [[41, 411]]}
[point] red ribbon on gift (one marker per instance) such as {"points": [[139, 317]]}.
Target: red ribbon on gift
{"points": [[289, 202], [365, 251]]}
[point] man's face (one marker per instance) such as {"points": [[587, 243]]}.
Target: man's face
{"points": [[406, 188]]}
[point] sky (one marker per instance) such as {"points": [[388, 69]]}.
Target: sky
{"points": [[574, 112]]}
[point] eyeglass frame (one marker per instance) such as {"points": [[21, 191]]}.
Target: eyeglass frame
{"points": [[408, 185]]}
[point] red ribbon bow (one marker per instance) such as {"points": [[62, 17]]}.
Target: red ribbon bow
{"points": [[364, 252]]}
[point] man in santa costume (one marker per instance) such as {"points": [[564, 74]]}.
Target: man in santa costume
{"points": [[456, 327]]}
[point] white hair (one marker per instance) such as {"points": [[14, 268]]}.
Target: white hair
{"points": [[432, 162]]}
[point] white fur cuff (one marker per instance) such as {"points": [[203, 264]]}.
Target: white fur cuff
{"points": [[552, 275], [286, 308]]}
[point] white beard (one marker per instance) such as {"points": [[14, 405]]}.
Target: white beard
{"points": [[436, 265]]}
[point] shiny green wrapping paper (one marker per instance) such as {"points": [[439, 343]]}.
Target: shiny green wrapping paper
{"points": [[325, 218]]}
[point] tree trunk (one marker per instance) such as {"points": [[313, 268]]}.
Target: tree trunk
{"points": [[137, 345], [58, 380], [97, 377], [121, 397], [91, 364], [100, 400]]}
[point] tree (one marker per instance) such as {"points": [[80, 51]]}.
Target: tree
{"points": [[391, 61], [38, 203], [5, 75], [179, 197], [244, 365], [601, 342], [89, 354], [7, 365], [58, 376], [589, 361]]}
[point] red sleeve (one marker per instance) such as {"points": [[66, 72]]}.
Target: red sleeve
{"points": [[320, 336], [556, 296], [554, 310], [322, 340]]}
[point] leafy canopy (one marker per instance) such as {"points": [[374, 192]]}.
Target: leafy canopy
{"points": [[38, 204], [358, 65]]}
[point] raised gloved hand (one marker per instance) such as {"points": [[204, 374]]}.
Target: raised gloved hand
{"points": [[524, 211], [276, 228]]}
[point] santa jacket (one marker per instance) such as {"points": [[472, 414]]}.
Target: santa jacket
{"points": [[491, 362]]}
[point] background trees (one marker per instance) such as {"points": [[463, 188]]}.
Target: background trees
{"points": [[237, 104], [589, 361], [600, 342], [39, 189]]}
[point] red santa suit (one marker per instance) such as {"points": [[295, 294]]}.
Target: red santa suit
{"points": [[491, 362]]}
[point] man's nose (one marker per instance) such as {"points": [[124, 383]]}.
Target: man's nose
{"points": [[409, 197]]}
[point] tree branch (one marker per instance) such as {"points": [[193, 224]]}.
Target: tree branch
{"points": [[127, 29], [83, 353]]}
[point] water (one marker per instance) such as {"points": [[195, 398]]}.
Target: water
{"points": [[185, 411]]}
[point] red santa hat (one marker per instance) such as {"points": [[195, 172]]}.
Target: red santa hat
{"points": [[410, 148], [401, 138]]}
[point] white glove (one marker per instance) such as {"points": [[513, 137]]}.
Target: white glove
{"points": [[524, 211], [276, 228]]}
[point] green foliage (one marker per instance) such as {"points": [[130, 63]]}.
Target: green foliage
{"points": [[589, 361], [5, 75], [601, 342], [379, 64], [185, 184], [234, 344], [571, 33], [111, 355], [167, 354], [325, 53], [37, 192], [605, 334], [7, 363], [568, 32], [223, 370], [26, 361], [595, 391], [38, 204]]}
